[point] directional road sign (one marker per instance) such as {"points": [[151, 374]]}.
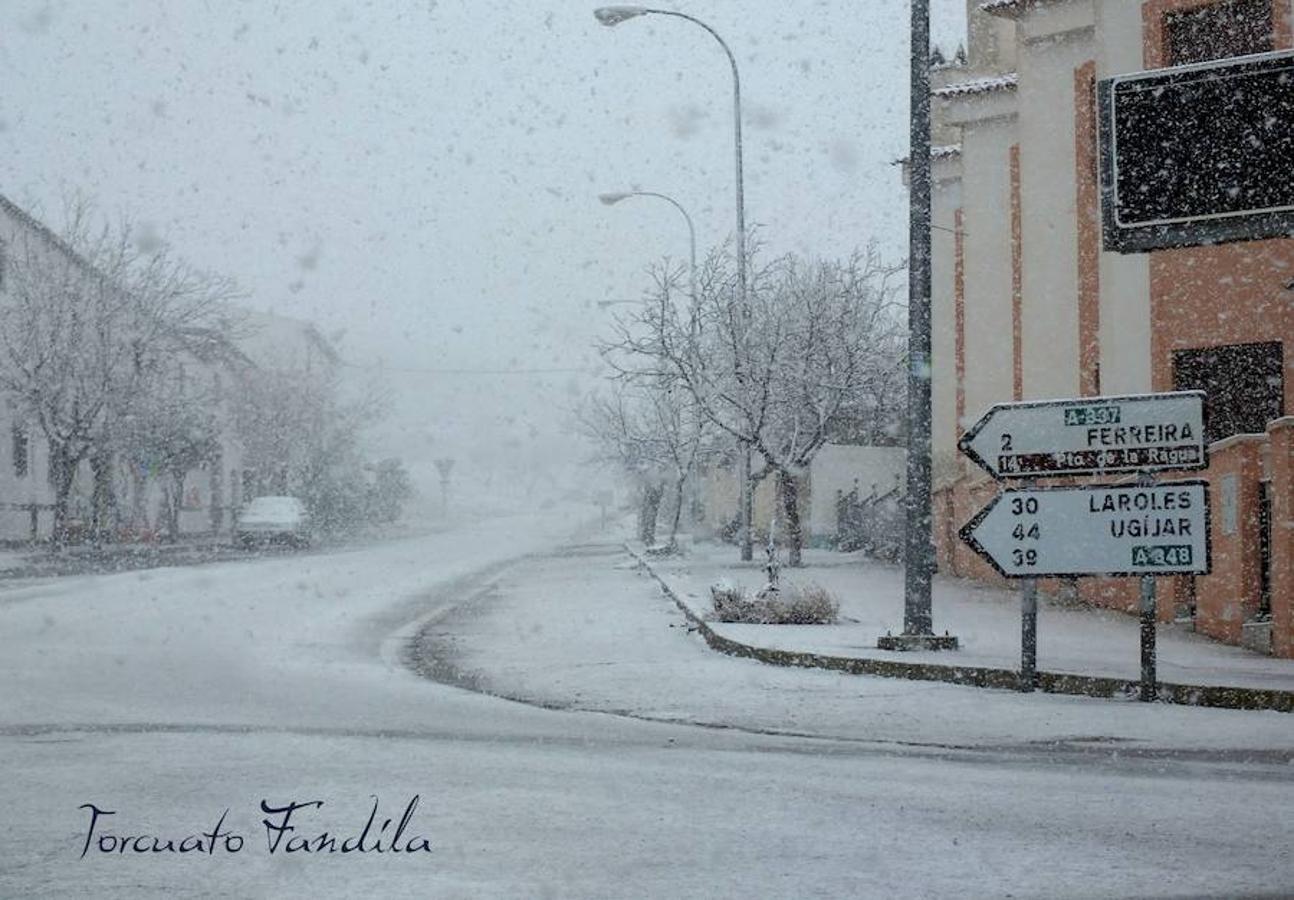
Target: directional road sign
{"points": [[1093, 435], [1159, 529]]}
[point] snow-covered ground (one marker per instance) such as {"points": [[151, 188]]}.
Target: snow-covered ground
{"points": [[590, 630], [985, 619], [172, 695]]}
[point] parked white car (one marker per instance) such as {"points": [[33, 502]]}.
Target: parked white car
{"points": [[268, 519]]}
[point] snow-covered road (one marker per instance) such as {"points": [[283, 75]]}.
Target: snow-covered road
{"points": [[169, 696]]}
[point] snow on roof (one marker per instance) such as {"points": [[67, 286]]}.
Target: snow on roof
{"points": [[1005, 82], [1009, 9], [947, 151]]}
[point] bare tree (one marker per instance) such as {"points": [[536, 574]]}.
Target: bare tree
{"points": [[81, 317], [170, 429], [651, 430], [813, 341]]}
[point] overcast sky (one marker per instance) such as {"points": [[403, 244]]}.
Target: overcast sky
{"points": [[425, 174]]}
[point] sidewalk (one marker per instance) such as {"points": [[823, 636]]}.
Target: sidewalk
{"points": [[42, 561], [1078, 641]]}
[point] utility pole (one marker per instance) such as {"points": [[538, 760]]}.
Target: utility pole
{"points": [[918, 629]]}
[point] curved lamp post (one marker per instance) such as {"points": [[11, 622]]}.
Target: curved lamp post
{"points": [[612, 198], [614, 15]]}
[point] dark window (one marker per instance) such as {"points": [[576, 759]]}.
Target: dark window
{"points": [[1219, 30], [20, 452], [1245, 385]]}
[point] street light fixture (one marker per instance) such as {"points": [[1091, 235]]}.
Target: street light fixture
{"points": [[614, 197], [614, 15]]}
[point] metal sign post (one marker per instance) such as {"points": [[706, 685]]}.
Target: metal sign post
{"points": [[1029, 635], [1029, 628], [1148, 617]]}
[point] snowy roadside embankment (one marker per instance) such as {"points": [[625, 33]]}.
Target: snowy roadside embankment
{"points": [[589, 629], [1071, 640]]}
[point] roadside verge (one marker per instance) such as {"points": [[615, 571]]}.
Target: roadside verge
{"points": [[1222, 696]]}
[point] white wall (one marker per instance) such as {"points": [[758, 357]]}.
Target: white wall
{"points": [[986, 195], [1048, 189], [947, 198], [838, 468], [1125, 279]]}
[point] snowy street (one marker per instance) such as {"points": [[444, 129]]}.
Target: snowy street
{"points": [[641, 763], [534, 449]]}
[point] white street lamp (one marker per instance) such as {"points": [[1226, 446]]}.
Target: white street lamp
{"points": [[614, 15], [612, 198]]}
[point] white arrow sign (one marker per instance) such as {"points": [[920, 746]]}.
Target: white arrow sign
{"points": [[1160, 529], [1093, 435]]}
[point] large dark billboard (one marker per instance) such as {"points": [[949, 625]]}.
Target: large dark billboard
{"points": [[1198, 154]]}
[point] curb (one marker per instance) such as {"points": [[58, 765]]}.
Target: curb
{"points": [[980, 676]]}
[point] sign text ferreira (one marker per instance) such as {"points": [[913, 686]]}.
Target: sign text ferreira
{"points": [[1090, 436]]}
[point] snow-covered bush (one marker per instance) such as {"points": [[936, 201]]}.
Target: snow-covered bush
{"points": [[809, 604]]}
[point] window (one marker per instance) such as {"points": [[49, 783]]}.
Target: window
{"points": [[20, 452], [1244, 383], [1219, 30]]}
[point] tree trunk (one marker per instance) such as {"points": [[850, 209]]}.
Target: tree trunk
{"points": [[102, 501], [174, 499], [138, 501], [678, 511], [652, 494], [217, 469], [62, 472], [788, 489]]}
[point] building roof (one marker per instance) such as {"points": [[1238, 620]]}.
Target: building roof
{"points": [[1009, 9], [1006, 82], [275, 341], [47, 234], [947, 151]]}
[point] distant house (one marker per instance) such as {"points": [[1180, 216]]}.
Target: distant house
{"points": [[209, 370]]}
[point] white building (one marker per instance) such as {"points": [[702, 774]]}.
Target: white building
{"points": [[208, 369]]}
